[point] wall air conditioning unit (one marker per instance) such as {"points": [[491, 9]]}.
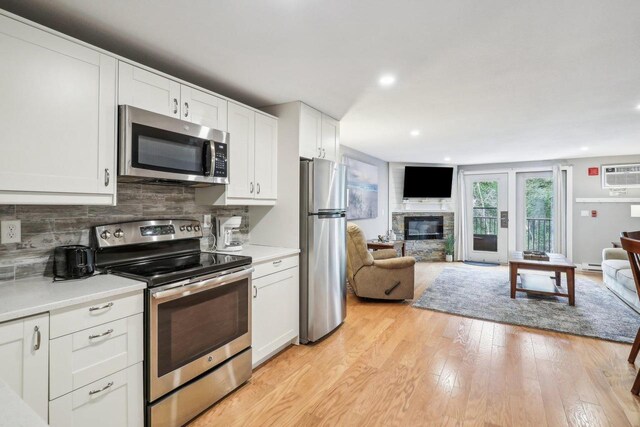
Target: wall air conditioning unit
{"points": [[621, 176]]}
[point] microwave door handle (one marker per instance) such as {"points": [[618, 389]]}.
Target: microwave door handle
{"points": [[206, 158]]}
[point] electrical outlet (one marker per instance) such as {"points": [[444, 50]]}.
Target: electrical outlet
{"points": [[206, 223], [11, 232]]}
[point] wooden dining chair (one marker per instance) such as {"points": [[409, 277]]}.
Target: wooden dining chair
{"points": [[631, 243]]}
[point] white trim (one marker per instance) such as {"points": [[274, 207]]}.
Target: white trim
{"points": [[569, 212], [507, 170], [512, 192], [607, 200]]}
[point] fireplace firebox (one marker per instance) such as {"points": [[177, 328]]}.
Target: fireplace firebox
{"points": [[423, 227]]}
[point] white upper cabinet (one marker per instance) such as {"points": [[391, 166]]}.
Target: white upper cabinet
{"points": [[202, 108], [319, 134], [266, 157], [253, 161], [148, 91], [330, 138], [241, 125], [24, 352], [152, 92], [310, 132], [58, 119]]}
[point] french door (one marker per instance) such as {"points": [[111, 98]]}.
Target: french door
{"points": [[487, 219]]}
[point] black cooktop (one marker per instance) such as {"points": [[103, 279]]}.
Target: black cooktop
{"points": [[160, 271]]}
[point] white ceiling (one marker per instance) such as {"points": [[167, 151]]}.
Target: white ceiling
{"points": [[484, 81]]}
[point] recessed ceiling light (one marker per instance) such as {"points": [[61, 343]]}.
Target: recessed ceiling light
{"points": [[638, 107], [447, 159], [584, 148], [387, 80], [415, 132]]}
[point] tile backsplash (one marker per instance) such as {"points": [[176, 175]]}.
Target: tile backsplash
{"points": [[45, 227]]}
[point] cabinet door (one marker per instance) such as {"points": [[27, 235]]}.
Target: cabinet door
{"points": [[266, 153], [241, 127], [274, 319], [310, 132], [115, 400], [152, 92], [330, 138], [25, 365], [202, 108], [58, 115]]}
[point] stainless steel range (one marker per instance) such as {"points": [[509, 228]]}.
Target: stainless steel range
{"points": [[197, 313]]}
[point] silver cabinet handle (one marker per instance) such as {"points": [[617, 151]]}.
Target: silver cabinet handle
{"points": [[186, 109], [277, 262], [92, 392], [107, 177], [102, 307], [38, 338], [319, 152], [251, 187], [105, 333], [255, 292], [258, 186], [175, 105], [324, 153]]}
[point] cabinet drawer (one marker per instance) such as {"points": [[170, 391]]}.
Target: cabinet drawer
{"points": [[83, 357], [94, 313], [116, 400], [274, 266]]}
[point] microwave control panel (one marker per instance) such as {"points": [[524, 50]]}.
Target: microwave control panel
{"points": [[220, 160]]}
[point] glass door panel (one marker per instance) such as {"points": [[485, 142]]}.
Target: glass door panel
{"points": [[485, 216], [535, 211]]}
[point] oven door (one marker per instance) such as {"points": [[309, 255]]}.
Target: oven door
{"points": [[154, 146], [196, 325]]}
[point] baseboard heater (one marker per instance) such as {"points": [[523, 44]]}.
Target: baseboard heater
{"points": [[588, 266]]}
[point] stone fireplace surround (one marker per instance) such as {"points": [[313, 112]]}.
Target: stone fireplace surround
{"points": [[424, 250]]}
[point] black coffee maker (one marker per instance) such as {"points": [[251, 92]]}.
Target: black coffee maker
{"points": [[73, 262]]}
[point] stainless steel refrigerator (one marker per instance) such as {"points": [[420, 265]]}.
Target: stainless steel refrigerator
{"points": [[323, 241]]}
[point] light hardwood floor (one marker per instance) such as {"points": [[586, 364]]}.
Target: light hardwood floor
{"points": [[393, 365]]}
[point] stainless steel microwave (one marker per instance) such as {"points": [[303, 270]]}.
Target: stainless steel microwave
{"points": [[161, 149]]}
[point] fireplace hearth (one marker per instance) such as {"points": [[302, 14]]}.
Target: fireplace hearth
{"points": [[423, 227]]}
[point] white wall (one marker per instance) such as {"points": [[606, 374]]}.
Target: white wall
{"points": [[374, 226], [591, 235]]}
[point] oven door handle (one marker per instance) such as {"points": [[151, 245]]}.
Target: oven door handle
{"points": [[191, 288]]}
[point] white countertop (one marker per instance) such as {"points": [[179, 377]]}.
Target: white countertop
{"points": [[260, 253], [26, 297], [15, 412]]}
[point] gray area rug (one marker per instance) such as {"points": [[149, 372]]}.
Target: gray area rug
{"points": [[485, 295]]}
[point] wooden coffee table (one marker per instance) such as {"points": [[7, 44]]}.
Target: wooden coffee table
{"points": [[537, 284]]}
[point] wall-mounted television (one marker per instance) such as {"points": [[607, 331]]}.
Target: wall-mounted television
{"points": [[423, 182]]}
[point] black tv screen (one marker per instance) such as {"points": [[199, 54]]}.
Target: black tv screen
{"points": [[427, 182]]}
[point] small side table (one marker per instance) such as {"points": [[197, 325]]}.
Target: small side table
{"points": [[377, 245]]}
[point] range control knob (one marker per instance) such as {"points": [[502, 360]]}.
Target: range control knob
{"points": [[182, 228], [189, 228], [118, 233], [105, 234], [196, 227]]}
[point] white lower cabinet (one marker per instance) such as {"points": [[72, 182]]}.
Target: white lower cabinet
{"points": [[115, 400], [96, 363], [24, 353], [275, 308]]}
